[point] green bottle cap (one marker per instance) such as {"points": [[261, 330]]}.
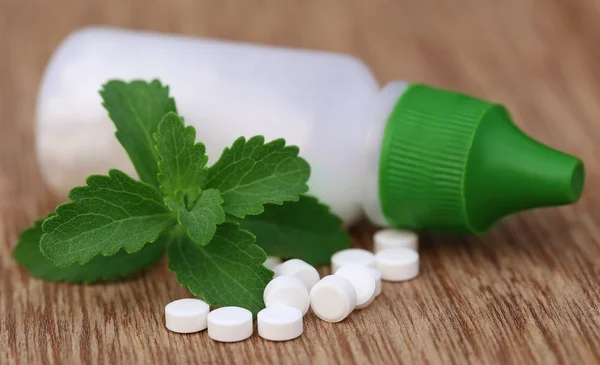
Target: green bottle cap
{"points": [[451, 162]]}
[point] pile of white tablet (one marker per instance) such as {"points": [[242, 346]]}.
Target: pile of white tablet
{"points": [[297, 286]]}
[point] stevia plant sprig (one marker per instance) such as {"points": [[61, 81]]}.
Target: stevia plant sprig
{"points": [[201, 216]]}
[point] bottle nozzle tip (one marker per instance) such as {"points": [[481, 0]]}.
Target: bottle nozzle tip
{"points": [[577, 181], [509, 172]]}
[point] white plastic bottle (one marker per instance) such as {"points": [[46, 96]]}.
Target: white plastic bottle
{"points": [[371, 149]]}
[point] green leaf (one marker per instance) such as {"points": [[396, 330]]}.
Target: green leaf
{"points": [[250, 174], [201, 221], [136, 108], [100, 268], [306, 230], [182, 163], [228, 271], [111, 213]]}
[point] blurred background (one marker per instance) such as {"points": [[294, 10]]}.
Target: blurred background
{"points": [[538, 57], [535, 56]]}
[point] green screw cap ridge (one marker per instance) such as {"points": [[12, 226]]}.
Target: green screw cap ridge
{"points": [[451, 162]]}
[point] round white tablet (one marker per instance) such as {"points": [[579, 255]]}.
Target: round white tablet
{"points": [[377, 276], [333, 298], [352, 256], [395, 238], [288, 291], [301, 270], [279, 323], [271, 262], [397, 264], [230, 324], [186, 315], [362, 280]]}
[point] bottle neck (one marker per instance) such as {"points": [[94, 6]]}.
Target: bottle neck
{"points": [[382, 106]]}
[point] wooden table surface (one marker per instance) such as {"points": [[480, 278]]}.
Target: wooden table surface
{"points": [[527, 292]]}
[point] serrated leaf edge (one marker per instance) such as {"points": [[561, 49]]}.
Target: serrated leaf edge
{"points": [[101, 278], [161, 159], [186, 229], [260, 141], [238, 227], [63, 206]]}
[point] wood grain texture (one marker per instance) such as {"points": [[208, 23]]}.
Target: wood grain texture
{"points": [[527, 292]]}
